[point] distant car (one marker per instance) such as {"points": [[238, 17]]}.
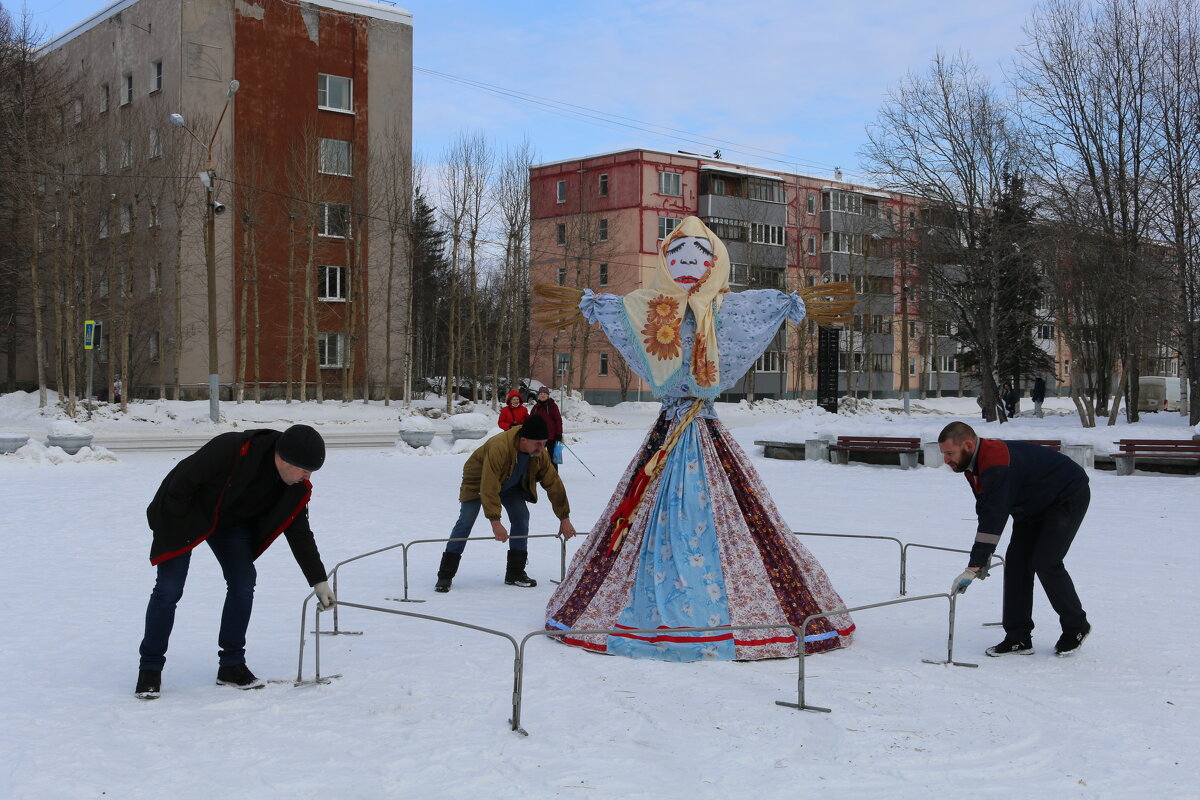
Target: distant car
{"points": [[1158, 393]]}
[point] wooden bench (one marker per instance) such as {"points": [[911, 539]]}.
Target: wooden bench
{"points": [[1158, 450], [1053, 444], [907, 449]]}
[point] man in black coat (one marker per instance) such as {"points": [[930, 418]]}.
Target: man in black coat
{"points": [[239, 492], [1047, 496]]}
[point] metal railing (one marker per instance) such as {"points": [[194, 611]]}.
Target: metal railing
{"points": [[519, 648]]}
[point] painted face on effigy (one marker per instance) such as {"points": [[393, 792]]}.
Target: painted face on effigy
{"points": [[689, 258]]}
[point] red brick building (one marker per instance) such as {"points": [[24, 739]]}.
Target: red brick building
{"points": [[598, 221]]}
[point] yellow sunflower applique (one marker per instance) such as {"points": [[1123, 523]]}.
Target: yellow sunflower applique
{"points": [[662, 328], [704, 370]]}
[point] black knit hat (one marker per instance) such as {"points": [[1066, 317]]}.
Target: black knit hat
{"points": [[301, 446], [534, 428]]}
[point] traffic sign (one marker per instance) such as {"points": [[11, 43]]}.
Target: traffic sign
{"points": [[89, 334]]}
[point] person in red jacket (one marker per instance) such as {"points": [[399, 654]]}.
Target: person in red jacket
{"points": [[546, 407], [513, 413]]}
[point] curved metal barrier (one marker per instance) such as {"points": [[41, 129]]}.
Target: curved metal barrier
{"points": [[519, 648]]}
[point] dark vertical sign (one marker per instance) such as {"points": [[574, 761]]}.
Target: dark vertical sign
{"points": [[828, 346]]}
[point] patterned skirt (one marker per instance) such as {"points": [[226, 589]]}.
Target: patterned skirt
{"points": [[706, 548]]}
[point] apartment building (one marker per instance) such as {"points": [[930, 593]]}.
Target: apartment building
{"points": [[290, 105], [597, 222]]}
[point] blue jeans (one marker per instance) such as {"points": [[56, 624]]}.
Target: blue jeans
{"points": [[518, 522], [232, 547]]}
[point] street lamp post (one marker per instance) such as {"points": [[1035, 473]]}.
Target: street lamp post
{"points": [[211, 209]]}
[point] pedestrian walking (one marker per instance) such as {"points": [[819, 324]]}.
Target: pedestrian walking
{"points": [[546, 408]]}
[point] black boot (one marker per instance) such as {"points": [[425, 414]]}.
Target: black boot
{"points": [[515, 574], [446, 571]]}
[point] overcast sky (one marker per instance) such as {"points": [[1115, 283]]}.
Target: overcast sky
{"points": [[785, 84]]}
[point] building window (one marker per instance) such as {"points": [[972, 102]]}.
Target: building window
{"points": [[562, 276], [103, 155], [77, 110], [154, 277], [562, 363], [812, 203], [334, 93], [602, 186], [604, 274], [560, 192], [770, 361], [335, 157], [728, 230], [761, 233], [1046, 332], [763, 189], [330, 349], [603, 364], [1066, 367], [666, 225], [103, 97], [127, 88], [332, 283], [944, 364], [912, 366], [156, 76], [126, 153], [560, 234], [103, 232], [739, 275], [838, 242], [154, 348], [335, 220], [126, 217], [603, 232], [153, 223], [670, 183], [155, 143], [811, 244], [847, 202]]}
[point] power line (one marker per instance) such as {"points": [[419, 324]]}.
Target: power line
{"points": [[600, 117]]}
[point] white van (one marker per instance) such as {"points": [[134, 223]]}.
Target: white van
{"points": [[1158, 393]]}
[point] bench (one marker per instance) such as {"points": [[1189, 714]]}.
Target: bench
{"points": [[1158, 450], [1053, 444], [907, 449]]}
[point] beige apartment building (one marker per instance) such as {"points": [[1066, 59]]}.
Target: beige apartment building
{"points": [[301, 111]]}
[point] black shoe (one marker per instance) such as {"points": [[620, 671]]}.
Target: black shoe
{"points": [[446, 571], [239, 676], [1068, 643], [1012, 647], [515, 575], [149, 684]]}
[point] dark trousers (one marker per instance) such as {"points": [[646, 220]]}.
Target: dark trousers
{"points": [[518, 522], [234, 552], [1038, 546]]}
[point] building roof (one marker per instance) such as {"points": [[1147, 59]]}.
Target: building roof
{"points": [[738, 171], [362, 8]]}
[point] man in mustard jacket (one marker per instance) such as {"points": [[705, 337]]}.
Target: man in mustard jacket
{"points": [[504, 472]]}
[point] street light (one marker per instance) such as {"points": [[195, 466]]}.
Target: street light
{"points": [[210, 249]]}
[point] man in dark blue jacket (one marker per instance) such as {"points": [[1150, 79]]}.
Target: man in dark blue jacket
{"points": [[238, 492], [1047, 496]]}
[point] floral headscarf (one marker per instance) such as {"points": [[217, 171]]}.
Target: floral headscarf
{"points": [[655, 315]]}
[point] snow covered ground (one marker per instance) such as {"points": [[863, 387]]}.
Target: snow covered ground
{"points": [[421, 708]]}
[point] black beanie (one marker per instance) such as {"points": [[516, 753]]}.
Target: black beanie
{"points": [[301, 446], [534, 428]]}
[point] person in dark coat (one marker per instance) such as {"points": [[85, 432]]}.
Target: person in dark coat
{"points": [[514, 411], [546, 408], [1038, 395], [1047, 496], [504, 473], [1009, 396], [238, 493]]}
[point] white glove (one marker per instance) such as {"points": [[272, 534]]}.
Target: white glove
{"points": [[962, 581], [325, 598]]}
